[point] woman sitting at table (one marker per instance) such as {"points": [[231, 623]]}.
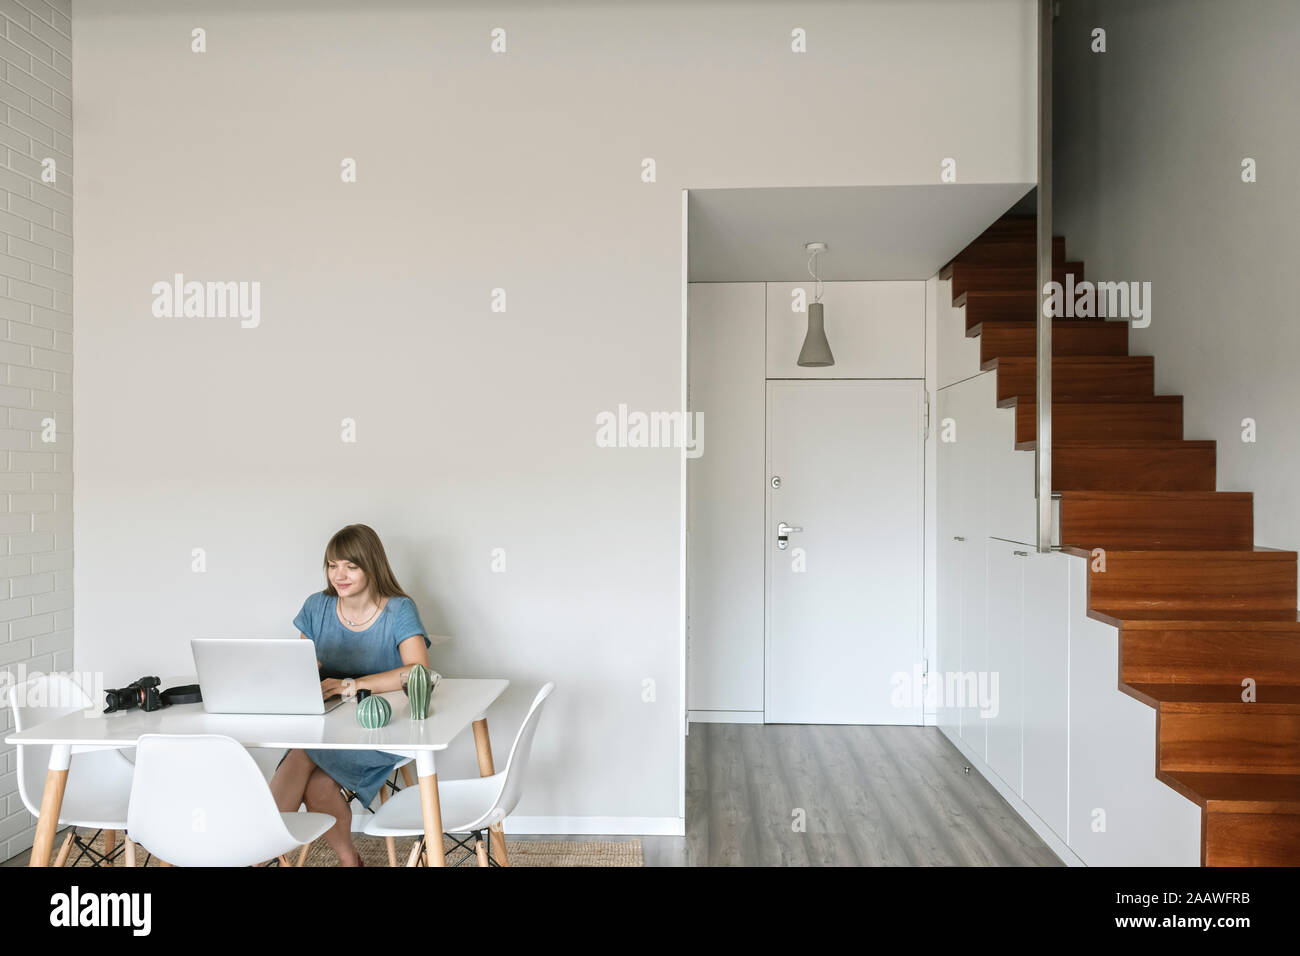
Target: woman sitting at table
{"points": [[367, 630]]}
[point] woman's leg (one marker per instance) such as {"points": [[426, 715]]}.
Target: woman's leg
{"points": [[324, 796], [289, 785]]}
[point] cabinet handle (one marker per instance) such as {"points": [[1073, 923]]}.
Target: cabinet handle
{"points": [[1023, 554], [958, 537]]}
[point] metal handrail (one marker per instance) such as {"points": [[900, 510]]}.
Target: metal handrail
{"points": [[1043, 446]]}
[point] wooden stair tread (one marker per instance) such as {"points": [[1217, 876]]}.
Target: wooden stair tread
{"points": [[1019, 306], [1004, 250], [1153, 617], [1075, 376], [1017, 295], [1009, 338], [1069, 361], [1133, 464], [1158, 495], [967, 277], [1256, 552], [1237, 792], [1100, 418], [1162, 623], [1096, 400], [1158, 520], [1267, 696], [1136, 444]]}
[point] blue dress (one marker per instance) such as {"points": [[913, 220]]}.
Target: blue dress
{"points": [[346, 653]]}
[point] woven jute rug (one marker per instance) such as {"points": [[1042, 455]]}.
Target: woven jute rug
{"points": [[524, 853]]}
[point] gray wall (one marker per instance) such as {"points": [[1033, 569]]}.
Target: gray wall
{"points": [[476, 429], [36, 357], [1149, 140]]}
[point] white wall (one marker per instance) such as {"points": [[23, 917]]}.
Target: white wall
{"points": [[35, 364], [475, 429], [1149, 139], [726, 498]]}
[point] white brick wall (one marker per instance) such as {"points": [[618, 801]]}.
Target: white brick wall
{"points": [[35, 360]]}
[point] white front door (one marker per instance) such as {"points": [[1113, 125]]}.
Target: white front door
{"points": [[845, 466]]}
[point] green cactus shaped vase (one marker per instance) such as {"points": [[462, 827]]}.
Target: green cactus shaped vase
{"points": [[419, 691], [374, 712]]}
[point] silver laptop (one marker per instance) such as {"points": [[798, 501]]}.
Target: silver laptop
{"points": [[277, 676]]}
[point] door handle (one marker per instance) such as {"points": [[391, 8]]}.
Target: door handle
{"points": [[783, 532]]}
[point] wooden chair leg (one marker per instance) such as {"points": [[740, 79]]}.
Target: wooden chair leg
{"points": [[415, 851], [302, 856], [284, 860], [406, 775], [480, 850], [130, 851], [62, 858], [110, 844], [392, 847]]}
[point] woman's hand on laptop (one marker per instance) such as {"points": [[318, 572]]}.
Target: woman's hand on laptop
{"points": [[332, 685]]}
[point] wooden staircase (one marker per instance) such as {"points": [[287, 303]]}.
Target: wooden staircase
{"points": [[1199, 608]]}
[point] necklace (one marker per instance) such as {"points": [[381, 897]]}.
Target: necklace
{"points": [[339, 605]]}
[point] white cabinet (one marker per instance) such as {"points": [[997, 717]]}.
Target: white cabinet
{"points": [[1119, 813], [974, 643], [1028, 613], [1071, 752], [1010, 480], [1002, 686], [1045, 661], [948, 578], [961, 650]]}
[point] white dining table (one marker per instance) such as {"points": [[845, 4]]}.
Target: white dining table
{"points": [[457, 703]]}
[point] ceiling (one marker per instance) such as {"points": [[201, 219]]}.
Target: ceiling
{"points": [[874, 232]]}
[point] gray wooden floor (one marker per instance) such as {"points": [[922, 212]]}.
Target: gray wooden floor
{"points": [[869, 796]]}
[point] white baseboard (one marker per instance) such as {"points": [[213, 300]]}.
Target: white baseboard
{"points": [[1045, 833], [617, 826], [724, 716]]}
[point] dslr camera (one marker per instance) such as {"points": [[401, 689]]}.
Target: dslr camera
{"points": [[142, 693]]}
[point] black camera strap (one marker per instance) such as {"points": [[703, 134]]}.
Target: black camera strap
{"points": [[183, 694]]}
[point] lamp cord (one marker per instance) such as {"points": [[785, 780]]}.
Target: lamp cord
{"points": [[817, 297]]}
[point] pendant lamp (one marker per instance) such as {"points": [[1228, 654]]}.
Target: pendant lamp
{"points": [[816, 351]]}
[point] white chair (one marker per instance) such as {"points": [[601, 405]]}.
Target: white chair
{"points": [[471, 805], [99, 778], [200, 800]]}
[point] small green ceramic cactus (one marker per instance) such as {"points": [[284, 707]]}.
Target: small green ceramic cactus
{"points": [[373, 712], [419, 691]]}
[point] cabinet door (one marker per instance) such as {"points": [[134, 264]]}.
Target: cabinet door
{"points": [[972, 402], [1045, 636], [1001, 703], [1119, 813], [948, 571]]}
